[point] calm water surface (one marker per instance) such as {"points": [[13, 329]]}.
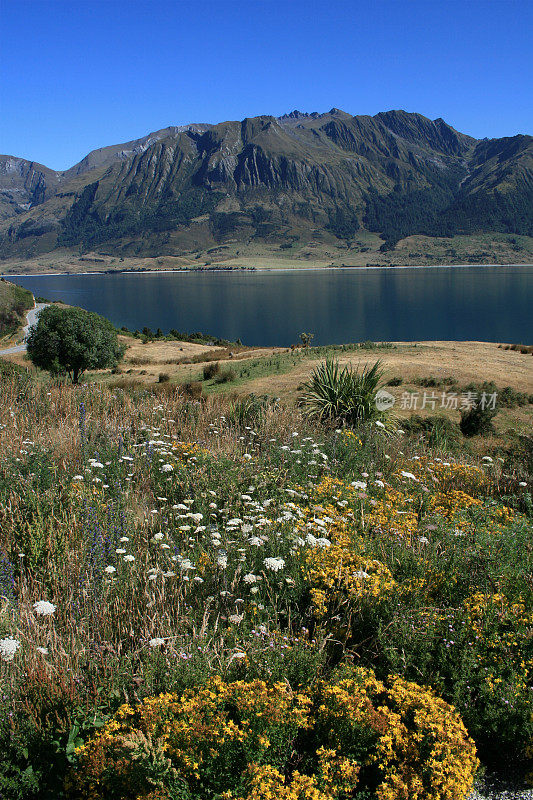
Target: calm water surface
{"points": [[273, 308]]}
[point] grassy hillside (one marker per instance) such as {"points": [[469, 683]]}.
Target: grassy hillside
{"points": [[14, 302], [220, 598], [483, 248]]}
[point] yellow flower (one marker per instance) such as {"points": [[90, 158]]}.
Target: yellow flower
{"points": [[417, 742]]}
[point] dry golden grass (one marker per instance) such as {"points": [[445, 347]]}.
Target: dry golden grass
{"points": [[147, 361], [20, 359], [465, 361], [161, 352]]}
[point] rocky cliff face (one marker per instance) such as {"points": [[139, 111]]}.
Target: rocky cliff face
{"points": [[23, 184], [301, 174]]}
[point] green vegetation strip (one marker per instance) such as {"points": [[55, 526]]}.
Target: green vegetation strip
{"points": [[237, 373]]}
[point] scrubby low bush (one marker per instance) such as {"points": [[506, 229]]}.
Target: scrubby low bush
{"points": [[211, 370], [506, 397], [428, 382], [437, 431], [226, 376], [192, 389], [477, 421], [353, 737]]}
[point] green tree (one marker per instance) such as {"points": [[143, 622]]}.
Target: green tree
{"points": [[306, 338], [72, 340]]}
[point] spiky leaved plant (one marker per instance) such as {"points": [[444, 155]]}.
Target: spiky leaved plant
{"points": [[342, 395]]}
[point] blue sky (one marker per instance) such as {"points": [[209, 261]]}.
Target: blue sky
{"points": [[79, 75]]}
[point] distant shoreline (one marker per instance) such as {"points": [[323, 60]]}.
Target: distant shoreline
{"points": [[240, 270]]}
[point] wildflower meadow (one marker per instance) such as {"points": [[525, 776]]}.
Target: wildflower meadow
{"points": [[220, 599]]}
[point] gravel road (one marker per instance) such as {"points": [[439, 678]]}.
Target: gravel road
{"points": [[31, 319]]}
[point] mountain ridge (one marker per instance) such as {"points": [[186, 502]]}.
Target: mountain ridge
{"points": [[296, 177]]}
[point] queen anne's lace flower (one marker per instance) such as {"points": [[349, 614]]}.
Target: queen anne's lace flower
{"points": [[8, 648], [274, 564], [43, 608]]}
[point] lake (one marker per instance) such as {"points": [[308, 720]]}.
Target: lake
{"points": [[274, 307]]}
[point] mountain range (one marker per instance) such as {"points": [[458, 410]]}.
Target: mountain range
{"points": [[300, 177]]}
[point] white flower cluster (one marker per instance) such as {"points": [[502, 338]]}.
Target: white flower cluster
{"points": [[43, 608], [8, 648], [274, 564]]}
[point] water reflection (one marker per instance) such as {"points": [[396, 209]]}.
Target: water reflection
{"points": [[480, 303]]}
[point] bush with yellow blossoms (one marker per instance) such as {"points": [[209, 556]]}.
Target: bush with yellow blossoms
{"points": [[352, 737]]}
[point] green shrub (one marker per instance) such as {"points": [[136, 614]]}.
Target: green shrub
{"points": [[429, 382], [477, 421], [437, 431], [474, 655], [192, 389], [226, 376], [506, 397], [210, 370]]}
